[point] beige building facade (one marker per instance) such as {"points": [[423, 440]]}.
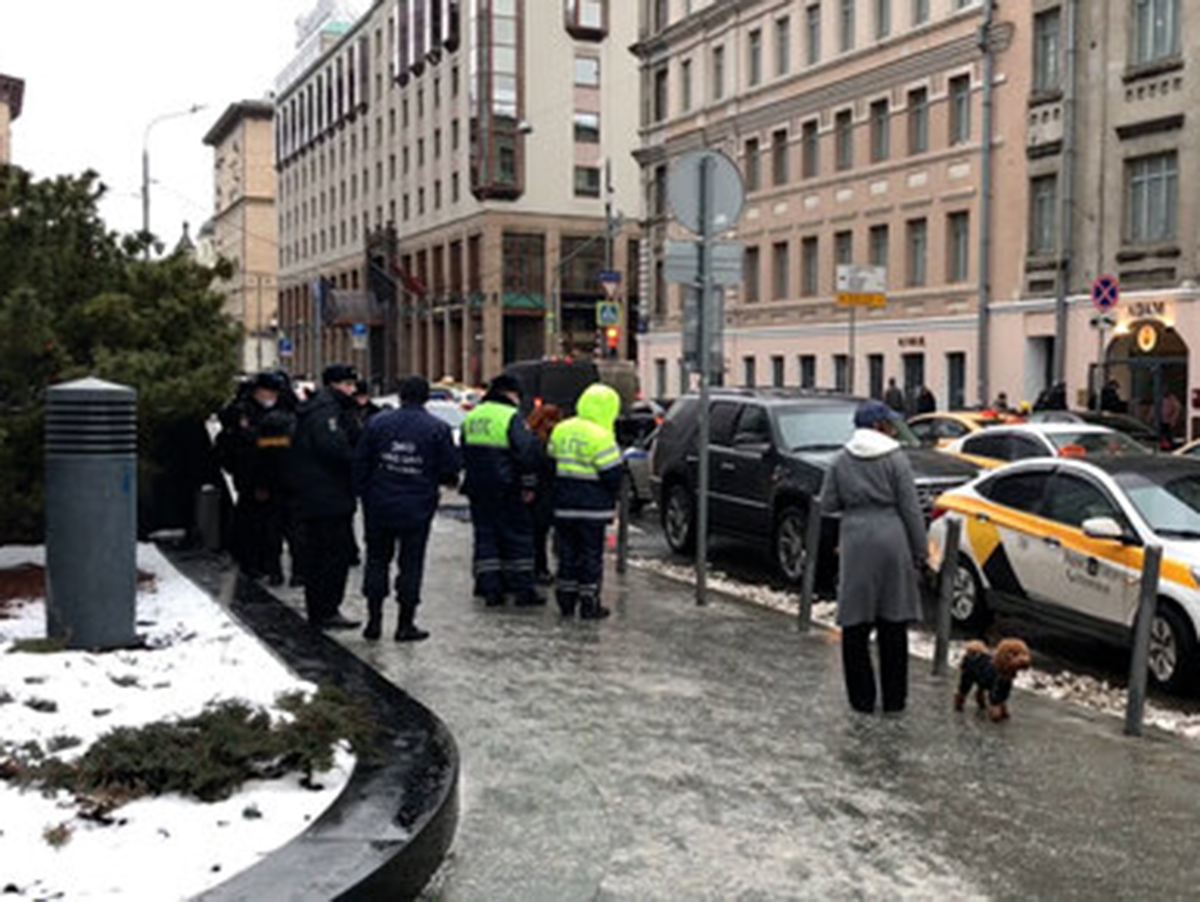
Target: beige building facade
{"points": [[244, 224], [1110, 136], [859, 128], [443, 183], [12, 95]]}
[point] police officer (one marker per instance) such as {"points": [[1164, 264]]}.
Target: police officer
{"points": [[500, 460], [326, 432], [404, 456], [587, 478]]}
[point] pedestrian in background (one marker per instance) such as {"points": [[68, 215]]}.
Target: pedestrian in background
{"points": [[500, 462], [541, 423], [326, 433], [883, 549], [926, 402], [586, 481], [403, 459], [893, 397]]}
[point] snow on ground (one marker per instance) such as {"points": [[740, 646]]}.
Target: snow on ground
{"points": [[161, 848], [1081, 689]]}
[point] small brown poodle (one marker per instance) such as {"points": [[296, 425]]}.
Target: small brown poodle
{"points": [[992, 674]]}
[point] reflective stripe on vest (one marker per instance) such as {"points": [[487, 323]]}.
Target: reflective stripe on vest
{"points": [[487, 425], [581, 450]]}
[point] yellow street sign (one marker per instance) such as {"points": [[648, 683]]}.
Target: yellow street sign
{"points": [[848, 299]]}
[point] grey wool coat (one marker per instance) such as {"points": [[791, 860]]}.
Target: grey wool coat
{"points": [[882, 537]]}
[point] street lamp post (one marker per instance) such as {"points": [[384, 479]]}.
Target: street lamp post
{"points": [[177, 114]]}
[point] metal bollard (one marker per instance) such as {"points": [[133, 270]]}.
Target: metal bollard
{"points": [[808, 580], [623, 521], [208, 517], [91, 514], [941, 650], [1147, 605]]}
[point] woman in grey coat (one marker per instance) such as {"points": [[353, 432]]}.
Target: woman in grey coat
{"points": [[883, 547]]}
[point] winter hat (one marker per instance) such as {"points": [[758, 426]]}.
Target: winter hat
{"points": [[871, 413], [505, 384], [339, 372], [269, 381], [414, 390]]}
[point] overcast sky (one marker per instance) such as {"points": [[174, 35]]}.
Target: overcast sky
{"points": [[96, 73]]}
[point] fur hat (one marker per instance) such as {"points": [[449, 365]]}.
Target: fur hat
{"points": [[505, 384], [338, 372]]}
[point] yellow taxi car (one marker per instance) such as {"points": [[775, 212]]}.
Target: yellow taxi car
{"points": [[1062, 540], [937, 430], [1004, 444]]}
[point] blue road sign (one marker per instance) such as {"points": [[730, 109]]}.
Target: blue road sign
{"points": [[1106, 292], [286, 348], [608, 275], [608, 313], [358, 330]]}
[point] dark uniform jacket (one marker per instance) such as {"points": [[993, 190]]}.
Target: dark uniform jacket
{"points": [[499, 458], [400, 463], [323, 455], [254, 446]]}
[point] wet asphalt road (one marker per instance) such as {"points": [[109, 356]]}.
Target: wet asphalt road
{"points": [[674, 752]]}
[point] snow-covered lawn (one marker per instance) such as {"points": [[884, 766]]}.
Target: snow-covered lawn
{"points": [[1081, 689], [159, 848]]}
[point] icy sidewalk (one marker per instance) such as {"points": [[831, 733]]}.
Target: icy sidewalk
{"points": [[159, 848]]}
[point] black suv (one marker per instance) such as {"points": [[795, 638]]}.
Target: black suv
{"points": [[769, 453]]}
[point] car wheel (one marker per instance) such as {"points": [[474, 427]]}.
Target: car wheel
{"points": [[968, 608], [1172, 661], [678, 519], [791, 556]]}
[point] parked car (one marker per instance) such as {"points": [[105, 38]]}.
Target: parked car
{"points": [[1140, 432], [1003, 444], [1062, 541], [937, 430], [769, 452]]}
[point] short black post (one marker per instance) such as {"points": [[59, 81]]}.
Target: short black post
{"points": [[623, 520], [808, 580], [1147, 605], [949, 569]]}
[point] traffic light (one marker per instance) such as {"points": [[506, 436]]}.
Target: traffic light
{"points": [[612, 338]]}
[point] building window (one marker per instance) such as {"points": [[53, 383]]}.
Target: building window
{"points": [[920, 12], [1043, 214], [843, 251], [843, 129], [780, 289], [841, 373], [1155, 30], [779, 157], [659, 200], [958, 247], [685, 86], [875, 376], [1152, 198], [750, 276], [587, 181], [846, 25], [751, 165], [777, 375], [662, 15], [754, 57], [956, 380], [918, 242], [808, 370], [810, 274], [960, 109], [783, 46], [918, 121], [587, 72], [660, 377], [718, 73], [587, 128], [812, 34], [810, 149], [880, 137], [749, 372], [659, 108], [1046, 50], [883, 19], [585, 20], [879, 245]]}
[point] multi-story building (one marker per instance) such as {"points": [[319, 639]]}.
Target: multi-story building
{"points": [[244, 223], [867, 133], [1110, 141], [442, 182], [12, 92]]}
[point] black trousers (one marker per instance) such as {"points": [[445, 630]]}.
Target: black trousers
{"points": [[258, 535], [893, 665], [328, 551], [504, 554], [382, 544], [580, 561]]}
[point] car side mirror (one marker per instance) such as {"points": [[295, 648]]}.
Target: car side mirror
{"points": [[1106, 528]]}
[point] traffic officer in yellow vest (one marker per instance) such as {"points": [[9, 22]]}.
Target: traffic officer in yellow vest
{"points": [[587, 477], [500, 457]]}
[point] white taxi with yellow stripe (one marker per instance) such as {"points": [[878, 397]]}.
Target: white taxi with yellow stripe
{"points": [[1062, 541]]}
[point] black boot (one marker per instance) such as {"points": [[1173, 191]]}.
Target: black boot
{"points": [[567, 602], [406, 629], [591, 609], [374, 627]]}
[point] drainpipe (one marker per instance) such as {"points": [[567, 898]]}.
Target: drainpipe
{"points": [[985, 205], [1066, 207]]}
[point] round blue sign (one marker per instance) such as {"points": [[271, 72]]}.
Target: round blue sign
{"points": [[1105, 293]]}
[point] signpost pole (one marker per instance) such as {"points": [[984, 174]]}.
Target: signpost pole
{"points": [[850, 362], [703, 279]]}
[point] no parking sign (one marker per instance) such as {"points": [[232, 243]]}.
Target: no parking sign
{"points": [[1106, 292]]}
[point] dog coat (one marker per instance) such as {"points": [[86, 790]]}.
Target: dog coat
{"points": [[978, 669]]}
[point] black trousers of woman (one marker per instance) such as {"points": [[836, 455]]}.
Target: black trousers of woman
{"points": [[893, 665]]}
